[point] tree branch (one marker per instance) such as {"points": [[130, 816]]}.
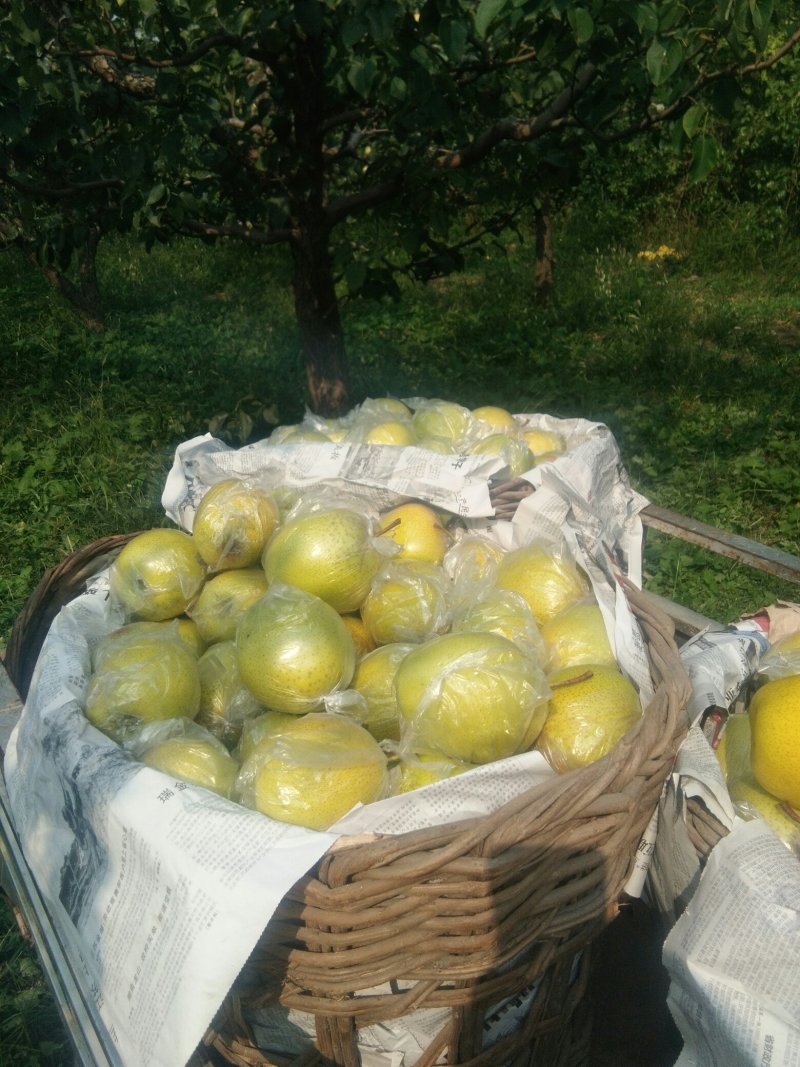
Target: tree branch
{"points": [[182, 59], [656, 118], [554, 116], [350, 205], [192, 228], [45, 192]]}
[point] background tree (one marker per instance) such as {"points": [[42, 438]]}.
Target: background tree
{"points": [[289, 123]]}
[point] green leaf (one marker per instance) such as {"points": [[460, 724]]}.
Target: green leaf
{"points": [[361, 75], [704, 156], [155, 194], [147, 7], [663, 59], [487, 12], [453, 35], [352, 31], [582, 24], [692, 119], [381, 21]]}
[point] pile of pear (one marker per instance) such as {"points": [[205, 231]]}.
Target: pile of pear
{"points": [[303, 655]]}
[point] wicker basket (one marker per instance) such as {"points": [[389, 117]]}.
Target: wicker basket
{"points": [[456, 917]]}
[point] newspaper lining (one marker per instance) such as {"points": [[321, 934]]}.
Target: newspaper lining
{"points": [[163, 889]]}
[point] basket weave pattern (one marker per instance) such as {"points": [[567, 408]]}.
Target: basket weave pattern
{"points": [[456, 917]]}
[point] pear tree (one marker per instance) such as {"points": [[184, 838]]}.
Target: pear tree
{"points": [[372, 138]]}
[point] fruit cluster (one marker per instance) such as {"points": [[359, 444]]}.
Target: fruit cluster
{"points": [[304, 656], [759, 751]]}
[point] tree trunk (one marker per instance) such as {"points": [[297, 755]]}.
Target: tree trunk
{"points": [[318, 321], [315, 300], [543, 270], [83, 293]]}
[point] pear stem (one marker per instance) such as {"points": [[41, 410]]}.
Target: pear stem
{"points": [[573, 681]]}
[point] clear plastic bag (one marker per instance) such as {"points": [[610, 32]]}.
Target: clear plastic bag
{"points": [[142, 677], [223, 600], [408, 602], [293, 650], [233, 522], [185, 750], [592, 706], [157, 575], [314, 772], [225, 702], [474, 697], [577, 634], [546, 575], [501, 611]]}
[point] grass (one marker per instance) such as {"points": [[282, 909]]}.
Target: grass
{"points": [[692, 361]]}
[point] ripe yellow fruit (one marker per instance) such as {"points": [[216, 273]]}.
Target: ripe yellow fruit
{"points": [[254, 731], [444, 420], [225, 702], [751, 801], [418, 531], [374, 680], [391, 432], [506, 613], [587, 717], [194, 760], [314, 772], [475, 697], [224, 599], [544, 442], [578, 635], [327, 553], [513, 451], [362, 641], [407, 602], [497, 419], [157, 575], [293, 650], [233, 523], [171, 629], [547, 578], [775, 738], [142, 679], [421, 769]]}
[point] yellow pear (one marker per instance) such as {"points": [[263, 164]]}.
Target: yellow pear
{"points": [[544, 442], [474, 697], [513, 451], [293, 650], [362, 640], [327, 553], [407, 602], [591, 707], [444, 420], [195, 760], [143, 679], [225, 702], [500, 611], [157, 575], [255, 730], [751, 801], [418, 531], [314, 772], [496, 419], [374, 680], [775, 738], [578, 635], [224, 599], [181, 629], [233, 523], [546, 577], [420, 769], [391, 432]]}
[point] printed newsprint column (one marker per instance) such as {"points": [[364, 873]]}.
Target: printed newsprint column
{"points": [[734, 956]]}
